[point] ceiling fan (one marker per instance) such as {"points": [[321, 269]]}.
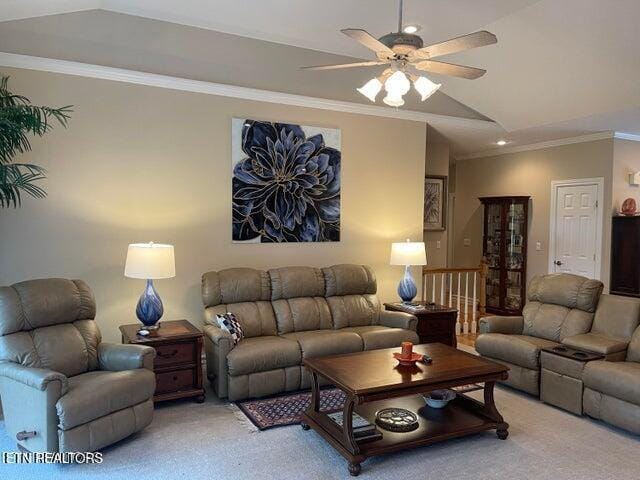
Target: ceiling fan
{"points": [[407, 56]]}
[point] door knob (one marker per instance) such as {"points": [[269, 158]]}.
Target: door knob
{"points": [[557, 262]]}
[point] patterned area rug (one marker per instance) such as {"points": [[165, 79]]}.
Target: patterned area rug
{"points": [[287, 409]]}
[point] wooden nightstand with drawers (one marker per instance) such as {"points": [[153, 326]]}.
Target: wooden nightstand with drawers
{"points": [[436, 323], [178, 362]]}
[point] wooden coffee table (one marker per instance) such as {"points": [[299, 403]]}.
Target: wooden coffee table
{"points": [[373, 380]]}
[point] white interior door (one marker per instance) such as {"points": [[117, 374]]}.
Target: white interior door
{"points": [[576, 230]]}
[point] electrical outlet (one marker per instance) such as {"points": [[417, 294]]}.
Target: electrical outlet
{"points": [[538, 246], [437, 243], [467, 242]]}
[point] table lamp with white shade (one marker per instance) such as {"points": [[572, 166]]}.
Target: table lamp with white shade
{"points": [[408, 253], [150, 261]]}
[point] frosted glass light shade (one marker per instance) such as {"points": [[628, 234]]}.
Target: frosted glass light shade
{"points": [[393, 101], [150, 261], [425, 87], [371, 89], [397, 84], [408, 253]]}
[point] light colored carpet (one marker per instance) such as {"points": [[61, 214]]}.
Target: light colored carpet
{"points": [[188, 440]]}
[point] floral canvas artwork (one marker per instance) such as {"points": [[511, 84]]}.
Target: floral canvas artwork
{"points": [[286, 182]]}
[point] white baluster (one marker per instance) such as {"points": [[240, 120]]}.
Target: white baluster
{"points": [[474, 324], [466, 303], [450, 288], [433, 288], [423, 297], [458, 329], [442, 288]]}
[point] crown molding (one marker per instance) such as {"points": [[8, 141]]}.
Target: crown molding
{"points": [[592, 137], [627, 136], [52, 65]]}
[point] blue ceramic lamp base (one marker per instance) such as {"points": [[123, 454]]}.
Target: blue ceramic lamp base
{"points": [[149, 309], [407, 289]]}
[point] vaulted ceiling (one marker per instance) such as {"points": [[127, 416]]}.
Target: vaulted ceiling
{"points": [[560, 68]]}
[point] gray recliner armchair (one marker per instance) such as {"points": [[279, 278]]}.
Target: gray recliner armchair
{"points": [[559, 306], [62, 388]]}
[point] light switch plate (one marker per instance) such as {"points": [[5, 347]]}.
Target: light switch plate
{"points": [[437, 243], [467, 242], [538, 246]]}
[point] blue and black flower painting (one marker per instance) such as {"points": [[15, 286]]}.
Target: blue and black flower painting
{"points": [[286, 186]]}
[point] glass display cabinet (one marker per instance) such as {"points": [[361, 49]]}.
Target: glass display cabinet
{"points": [[504, 245]]}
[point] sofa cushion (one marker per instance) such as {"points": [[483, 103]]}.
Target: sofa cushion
{"points": [[349, 279], [320, 343], [616, 316], [354, 310], [617, 379], [256, 318], [260, 354], [554, 322], [522, 350], [235, 285], [292, 282], [592, 342], [378, 336], [567, 290], [44, 302], [95, 394], [300, 314]]}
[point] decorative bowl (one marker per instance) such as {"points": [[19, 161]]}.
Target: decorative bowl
{"points": [[407, 361], [439, 398]]}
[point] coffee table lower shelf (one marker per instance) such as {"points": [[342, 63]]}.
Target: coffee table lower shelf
{"points": [[462, 416]]}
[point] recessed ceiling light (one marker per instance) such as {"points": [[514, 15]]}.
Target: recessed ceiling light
{"points": [[411, 29], [501, 143]]}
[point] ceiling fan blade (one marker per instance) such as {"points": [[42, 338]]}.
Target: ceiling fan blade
{"points": [[452, 69], [458, 44], [345, 65], [366, 39]]}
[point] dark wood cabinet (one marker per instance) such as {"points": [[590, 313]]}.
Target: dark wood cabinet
{"points": [[178, 362], [436, 323], [504, 245], [625, 256]]}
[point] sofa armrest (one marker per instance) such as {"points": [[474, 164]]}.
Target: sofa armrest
{"points": [[596, 343], [38, 378], [218, 336], [507, 325], [116, 357], [390, 318], [217, 344]]}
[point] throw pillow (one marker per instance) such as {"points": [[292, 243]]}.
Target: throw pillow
{"points": [[229, 322]]}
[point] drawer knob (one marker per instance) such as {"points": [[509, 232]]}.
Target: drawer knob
{"points": [[168, 355]]}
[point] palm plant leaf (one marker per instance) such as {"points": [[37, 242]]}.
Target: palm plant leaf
{"points": [[19, 119]]}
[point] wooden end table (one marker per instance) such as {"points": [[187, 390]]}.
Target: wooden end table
{"points": [[373, 380], [178, 362], [436, 323]]}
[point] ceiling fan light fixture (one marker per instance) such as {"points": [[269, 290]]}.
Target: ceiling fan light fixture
{"points": [[425, 87], [371, 89]]}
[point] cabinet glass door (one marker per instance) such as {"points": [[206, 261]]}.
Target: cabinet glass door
{"points": [[493, 252], [514, 255]]}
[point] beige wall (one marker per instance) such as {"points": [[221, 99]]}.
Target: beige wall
{"points": [[437, 163], [626, 160], [140, 163], [528, 173]]}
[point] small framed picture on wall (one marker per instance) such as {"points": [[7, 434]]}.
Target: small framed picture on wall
{"points": [[435, 203]]}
